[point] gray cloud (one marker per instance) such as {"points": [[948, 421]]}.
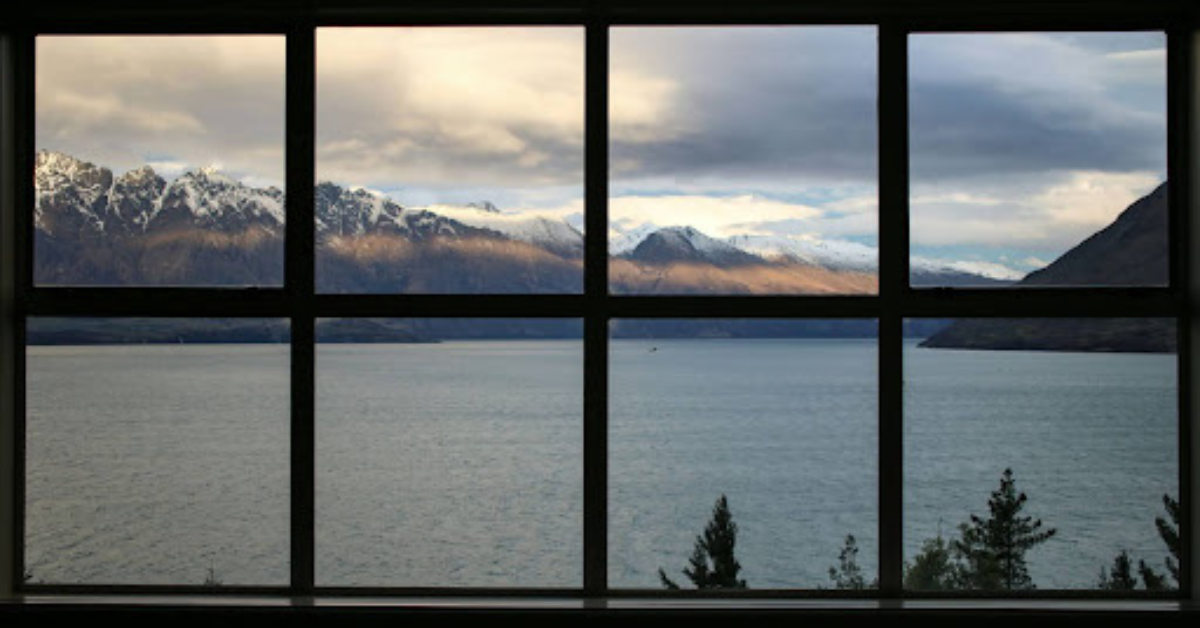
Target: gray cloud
{"points": [[753, 104], [125, 100], [982, 131], [994, 105], [1110, 42], [985, 131], [769, 104]]}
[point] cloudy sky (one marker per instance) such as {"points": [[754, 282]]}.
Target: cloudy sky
{"points": [[173, 102], [1022, 144]]}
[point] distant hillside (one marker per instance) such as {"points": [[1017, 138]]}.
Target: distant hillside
{"points": [[1132, 251], [1136, 335], [112, 331]]}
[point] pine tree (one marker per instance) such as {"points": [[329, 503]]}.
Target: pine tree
{"points": [[1154, 581], [1121, 577], [993, 549], [713, 564], [933, 569], [1169, 533], [211, 579], [848, 575]]}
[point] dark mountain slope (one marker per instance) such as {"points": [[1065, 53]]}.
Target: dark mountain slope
{"points": [[1132, 251]]}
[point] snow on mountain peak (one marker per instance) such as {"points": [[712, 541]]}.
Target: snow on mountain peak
{"points": [[49, 160], [211, 170], [53, 169], [67, 185], [679, 244], [81, 195], [552, 233], [144, 173], [70, 183], [834, 254]]}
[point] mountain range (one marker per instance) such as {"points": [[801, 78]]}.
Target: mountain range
{"points": [[204, 228], [93, 227]]}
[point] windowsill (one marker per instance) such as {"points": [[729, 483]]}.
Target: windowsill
{"points": [[622, 605], [415, 611]]}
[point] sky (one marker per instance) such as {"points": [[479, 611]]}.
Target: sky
{"points": [[1022, 145]]}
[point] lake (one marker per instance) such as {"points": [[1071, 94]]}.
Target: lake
{"points": [[459, 463]]}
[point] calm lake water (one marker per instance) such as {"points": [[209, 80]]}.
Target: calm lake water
{"points": [[459, 464]]}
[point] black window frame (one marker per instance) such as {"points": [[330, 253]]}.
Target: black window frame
{"points": [[298, 300]]}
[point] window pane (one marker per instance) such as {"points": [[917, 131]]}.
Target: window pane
{"points": [[450, 160], [777, 416], [449, 452], [157, 451], [1084, 414], [1038, 159], [160, 161], [743, 160]]}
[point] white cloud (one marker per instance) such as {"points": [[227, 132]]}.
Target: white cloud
{"points": [[1094, 199], [715, 216], [1053, 216], [1138, 66], [642, 106], [438, 106], [856, 204], [168, 168], [79, 113], [955, 198]]}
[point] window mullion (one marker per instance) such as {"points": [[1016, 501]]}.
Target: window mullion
{"points": [[299, 284], [893, 286], [21, 256], [1181, 163], [595, 367]]}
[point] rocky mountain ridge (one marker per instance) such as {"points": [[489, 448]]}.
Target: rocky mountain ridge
{"points": [[204, 228]]}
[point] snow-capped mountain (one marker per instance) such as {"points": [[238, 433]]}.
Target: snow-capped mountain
{"points": [[344, 212], [206, 228], [79, 199], [207, 199], [829, 254], [71, 195], [687, 244], [552, 234], [623, 238], [836, 255]]}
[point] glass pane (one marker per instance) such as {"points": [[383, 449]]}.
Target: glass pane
{"points": [[157, 452], [449, 452], [743, 160], [1038, 159], [775, 417], [1082, 413], [160, 161], [450, 160]]}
